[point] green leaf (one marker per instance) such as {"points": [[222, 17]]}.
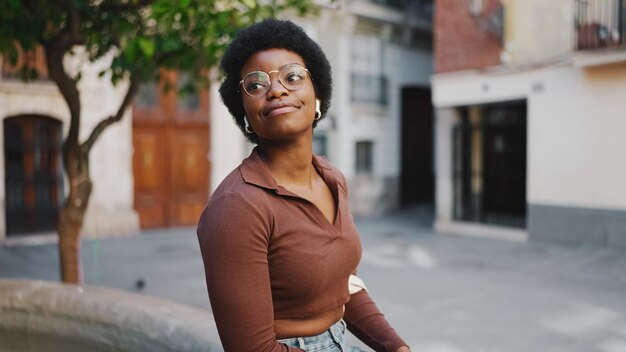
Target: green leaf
{"points": [[249, 3], [171, 44], [147, 47], [131, 51]]}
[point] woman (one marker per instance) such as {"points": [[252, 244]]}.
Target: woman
{"points": [[277, 239]]}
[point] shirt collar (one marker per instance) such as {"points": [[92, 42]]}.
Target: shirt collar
{"points": [[254, 170]]}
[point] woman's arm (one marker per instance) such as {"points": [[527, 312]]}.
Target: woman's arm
{"points": [[233, 235], [367, 323]]}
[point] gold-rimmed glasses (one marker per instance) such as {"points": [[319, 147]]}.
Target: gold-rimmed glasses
{"points": [[258, 83]]}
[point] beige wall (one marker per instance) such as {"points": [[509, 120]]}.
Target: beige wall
{"points": [[537, 30], [577, 139]]}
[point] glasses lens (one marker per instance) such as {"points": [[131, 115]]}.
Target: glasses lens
{"points": [[292, 76], [256, 83]]}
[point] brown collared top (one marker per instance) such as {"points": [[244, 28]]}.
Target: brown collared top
{"points": [[270, 254]]}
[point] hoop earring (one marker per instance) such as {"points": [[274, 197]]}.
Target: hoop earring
{"points": [[247, 128], [318, 112]]}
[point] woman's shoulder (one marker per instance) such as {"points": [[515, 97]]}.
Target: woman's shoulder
{"points": [[235, 189], [234, 207]]}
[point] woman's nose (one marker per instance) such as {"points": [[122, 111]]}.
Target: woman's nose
{"points": [[277, 88]]}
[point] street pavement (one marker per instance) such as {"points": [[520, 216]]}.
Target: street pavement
{"points": [[441, 293]]}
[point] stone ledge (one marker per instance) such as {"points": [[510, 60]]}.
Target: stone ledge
{"points": [[46, 316]]}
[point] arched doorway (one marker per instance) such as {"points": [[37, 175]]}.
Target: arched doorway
{"points": [[33, 173]]}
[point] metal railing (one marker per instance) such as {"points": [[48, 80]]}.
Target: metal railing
{"points": [[419, 8], [600, 23], [369, 89]]}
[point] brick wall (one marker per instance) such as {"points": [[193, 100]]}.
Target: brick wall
{"points": [[460, 42]]}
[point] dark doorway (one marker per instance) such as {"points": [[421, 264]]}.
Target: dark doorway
{"points": [[417, 177], [490, 164], [504, 151], [34, 179]]}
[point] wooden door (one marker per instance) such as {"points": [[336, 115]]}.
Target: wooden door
{"points": [[33, 176], [170, 164]]}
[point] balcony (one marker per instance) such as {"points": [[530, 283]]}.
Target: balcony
{"points": [[600, 24], [416, 14], [420, 8]]}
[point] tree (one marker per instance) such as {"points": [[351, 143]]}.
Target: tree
{"points": [[143, 37]]}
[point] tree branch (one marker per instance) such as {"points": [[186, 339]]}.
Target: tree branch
{"points": [[133, 88], [55, 51]]}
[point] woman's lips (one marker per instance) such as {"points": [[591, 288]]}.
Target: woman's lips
{"points": [[282, 110]]}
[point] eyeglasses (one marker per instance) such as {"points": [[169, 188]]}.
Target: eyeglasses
{"points": [[290, 76]]}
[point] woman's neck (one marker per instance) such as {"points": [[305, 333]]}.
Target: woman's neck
{"points": [[289, 164]]}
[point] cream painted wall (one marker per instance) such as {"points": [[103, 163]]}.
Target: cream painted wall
{"points": [[110, 210], [538, 30], [470, 88], [228, 145], [445, 119], [575, 128], [577, 139]]}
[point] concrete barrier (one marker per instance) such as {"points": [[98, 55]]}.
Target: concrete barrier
{"points": [[46, 316]]}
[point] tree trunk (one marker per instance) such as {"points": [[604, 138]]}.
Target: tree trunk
{"points": [[75, 154], [72, 214]]}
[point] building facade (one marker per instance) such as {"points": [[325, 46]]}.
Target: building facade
{"points": [[157, 166], [34, 120], [378, 131], [529, 108]]}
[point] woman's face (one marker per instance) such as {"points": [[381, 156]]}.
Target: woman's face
{"points": [[279, 113]]}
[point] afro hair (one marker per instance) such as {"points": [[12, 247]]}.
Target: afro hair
{"points": [[272, 34]]}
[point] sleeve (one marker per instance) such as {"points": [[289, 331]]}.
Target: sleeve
{"points": [[369, 325], [363, 318], [233, 236]]}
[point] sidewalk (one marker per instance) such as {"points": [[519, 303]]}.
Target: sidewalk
{"points": [[442, 293]]}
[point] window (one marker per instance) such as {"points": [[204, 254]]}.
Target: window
{"points": [[364, 156], [319, 144], [147, 95], [30, 64], [368, 83], [189, 98]]}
